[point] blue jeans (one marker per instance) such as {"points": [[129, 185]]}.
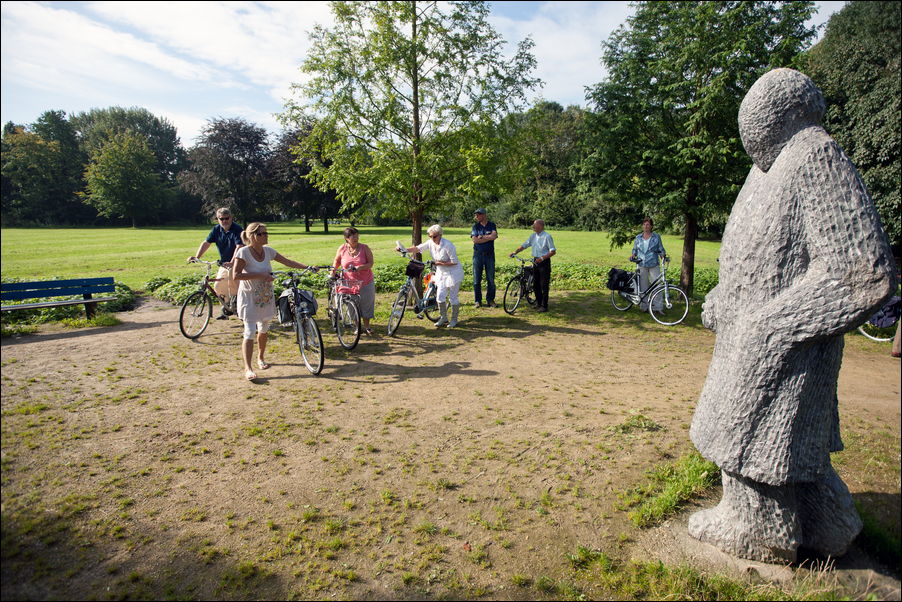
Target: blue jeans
{"points": [[484, 261]]}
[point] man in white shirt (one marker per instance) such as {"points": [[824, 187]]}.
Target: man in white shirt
{"points": [[543, 250]]}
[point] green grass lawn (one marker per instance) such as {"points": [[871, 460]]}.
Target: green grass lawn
{"points": [[135, 255]]}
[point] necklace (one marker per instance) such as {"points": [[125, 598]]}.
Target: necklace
{"points": [[353, 252]]}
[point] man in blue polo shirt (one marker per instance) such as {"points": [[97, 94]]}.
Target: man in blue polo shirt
{"points": [[227, 236], [483, 236]]}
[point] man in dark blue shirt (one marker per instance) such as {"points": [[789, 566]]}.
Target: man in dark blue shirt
{"points": [[483, 236], [227, 236]]}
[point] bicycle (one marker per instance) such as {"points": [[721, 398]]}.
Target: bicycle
{"points": [[667, 303], [881, 327], [408, 293], [343, 309], [521, 286], [301, 309], [198, 307]]}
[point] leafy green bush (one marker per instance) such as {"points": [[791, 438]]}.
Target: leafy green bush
{"points": [[390, 277]]}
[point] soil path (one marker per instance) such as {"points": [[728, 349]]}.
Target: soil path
{"points": [[433, 463]]}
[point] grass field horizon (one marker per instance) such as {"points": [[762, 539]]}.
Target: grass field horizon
{"points": [[135, 255]]}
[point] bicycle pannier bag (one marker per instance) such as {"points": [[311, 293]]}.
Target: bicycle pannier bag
{"points": [[619, 280], [286, 316], [308, 302], [887, 315], [415, 268]]}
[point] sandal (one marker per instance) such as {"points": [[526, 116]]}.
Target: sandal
{"points": [[250, 375], [368, 331], [263, 365]]}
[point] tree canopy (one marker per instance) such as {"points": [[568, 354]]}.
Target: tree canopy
{"points": [[857, 67], [663, 139], [406, 94], [228, 166], [122, 179]]}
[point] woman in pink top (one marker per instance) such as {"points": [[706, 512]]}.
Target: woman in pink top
{"points": [[357, 260]]}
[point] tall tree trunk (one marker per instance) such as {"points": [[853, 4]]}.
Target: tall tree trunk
{"points": [[687, 268], [417, 213], [306, 223], [326, 224]]}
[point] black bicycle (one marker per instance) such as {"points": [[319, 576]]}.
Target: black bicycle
{"points": [[198, 307], [343, 309], [424, 306], [300, 311], [521, 286]]}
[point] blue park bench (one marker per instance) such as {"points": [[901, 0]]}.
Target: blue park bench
{"points": [[86, 287]]}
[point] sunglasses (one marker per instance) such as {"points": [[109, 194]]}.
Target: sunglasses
{"points": [[224, 218]]}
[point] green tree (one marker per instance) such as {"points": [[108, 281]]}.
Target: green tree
{"points": [[405, 94], [43, 168], [228, 167], [541, 182], [663, 139], [31, 168], [856, 65], [292, 192], [122, 180], [97, 126]]}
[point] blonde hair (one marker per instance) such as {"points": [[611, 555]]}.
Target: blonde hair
{"points": [[435, 229], [250, 231]]}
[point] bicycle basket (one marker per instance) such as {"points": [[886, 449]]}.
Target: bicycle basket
{"points": [[286, 316], [414, 268], [619, 280], [347, 287], [308, 302]]}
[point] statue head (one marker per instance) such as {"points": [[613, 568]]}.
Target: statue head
{"points": [[779, 105]]}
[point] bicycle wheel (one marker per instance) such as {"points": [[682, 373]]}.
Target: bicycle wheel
{"points": [[310, 342], [875, 333], [620, 302], [529, 290], [430, 294], [513, 294], [347, 324], [397, 311], [670, 308], [195, 315]]}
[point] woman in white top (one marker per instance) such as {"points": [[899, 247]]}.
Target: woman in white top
{"points": [[448, 272], [252, 268]]}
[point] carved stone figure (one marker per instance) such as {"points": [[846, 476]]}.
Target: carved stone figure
{"points": [[804, 259]]}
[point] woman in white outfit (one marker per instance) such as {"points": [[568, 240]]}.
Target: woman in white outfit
{"points": [[252, 268], [448, 273]]}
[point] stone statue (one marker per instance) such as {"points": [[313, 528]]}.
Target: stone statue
{"points": [[804, 260]]}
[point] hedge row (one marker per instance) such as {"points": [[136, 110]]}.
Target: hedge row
{"points": [[389, 278]]}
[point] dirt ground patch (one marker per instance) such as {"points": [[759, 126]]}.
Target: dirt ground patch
{"points": [[458, 463]]}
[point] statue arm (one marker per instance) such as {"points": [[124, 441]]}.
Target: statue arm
{"points": [[850, 271]]}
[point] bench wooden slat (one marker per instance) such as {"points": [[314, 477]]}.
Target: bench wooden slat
{"points": [[48, 284], [56, 292], [56, 303], [86, 287]]}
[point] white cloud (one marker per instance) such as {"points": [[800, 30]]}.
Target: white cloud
{"points": [[263, 42], [567, 38]]}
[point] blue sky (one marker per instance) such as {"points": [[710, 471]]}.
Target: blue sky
{"points": [[191, 61]]}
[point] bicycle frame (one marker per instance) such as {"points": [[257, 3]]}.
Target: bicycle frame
{"points": [[653, 287], [205, 285]]}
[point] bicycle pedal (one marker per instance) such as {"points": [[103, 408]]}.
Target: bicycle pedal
{"points": [[419, 316]]}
